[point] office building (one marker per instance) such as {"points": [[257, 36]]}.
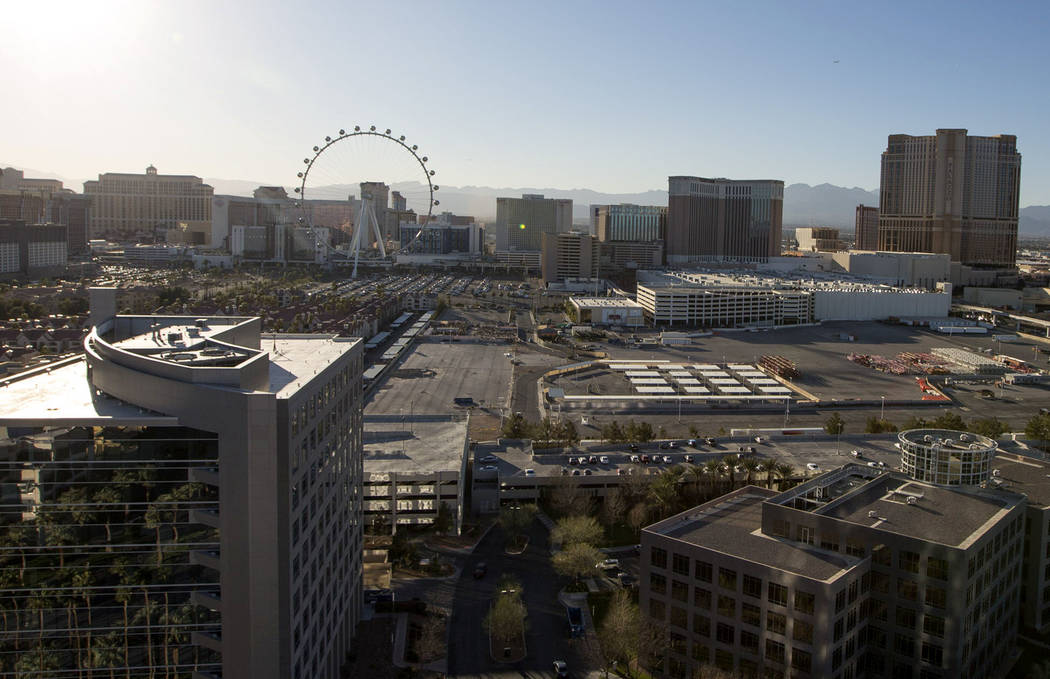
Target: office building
{"points": [[45, 201], [845, 575], [33, 250], [632, 254], [569, 255], [951, 193], [441, 238], [523, 221], [715, 219], [818, 239], [610, 310], [866, 228], [214, 480], [144, 206], [628, 222]]}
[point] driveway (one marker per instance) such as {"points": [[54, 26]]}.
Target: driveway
{"points": [[547, 637]]}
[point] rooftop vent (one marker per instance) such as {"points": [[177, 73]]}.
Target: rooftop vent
{"points": [[873, 514], [912, 500], [997, 472]]}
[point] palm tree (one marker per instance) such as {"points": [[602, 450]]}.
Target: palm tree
{"points": [[784, 471], [107, 495], [663, 491], [750, 465], [713, 469], [82, 581], [730, 462], [695, 475], [770, 466], [106, 654]]}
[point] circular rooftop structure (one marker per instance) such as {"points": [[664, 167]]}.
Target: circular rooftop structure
{"points": [[946, 457]]}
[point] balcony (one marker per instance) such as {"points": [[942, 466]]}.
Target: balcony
{"points": [[212, 640], [208, 559], [206, 475], [205, 517], [209, 600]]}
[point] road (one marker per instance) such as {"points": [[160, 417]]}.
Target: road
{"points": [[546, 638]]}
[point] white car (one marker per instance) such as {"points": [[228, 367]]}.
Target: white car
{"points": [[635, 459], [812, 466], [667, 459], [530, 472], [604, 459], [507, 354], [608, 563]]}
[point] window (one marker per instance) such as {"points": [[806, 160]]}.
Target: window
{"points": [[932, 653], [881, 555], [855, 549], [804, 534], [840, 601], [701, 625], [774, 651], [680, 564], [658, 557], [937, 568], [936, 596], [702, 598], [802, 631], [906, 618], [726, 606], [776, 623], [749, 641], [907, 589], [725, 634], [727, 579], [801, 660], [904, 645], [777, 594], [723, 660], [933, 625], [657, 583], [702, 572], [679, 618], [852, 592], [751, 614], [679, 591], [804, 602], [829, 542], [752, 586], [701, 653], [840, 627], [908, 561], [657, 609]]}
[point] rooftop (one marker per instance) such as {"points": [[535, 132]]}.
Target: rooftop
{"points": [[295, 359], [1024, 475], [606, 302], [953, 516], [802, 281], [732, 525], [414, 444]]}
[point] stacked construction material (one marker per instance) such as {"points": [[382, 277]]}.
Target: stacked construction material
{"points": [[780, 366]]}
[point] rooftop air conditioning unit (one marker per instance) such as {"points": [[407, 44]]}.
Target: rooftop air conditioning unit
{"points": [[873, 514], [997, 472], [912, 500]]}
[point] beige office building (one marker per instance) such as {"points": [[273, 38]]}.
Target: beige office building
{"points": [[951, 193], [569, 255], [715, 219], [523, 221], [144, 206]]}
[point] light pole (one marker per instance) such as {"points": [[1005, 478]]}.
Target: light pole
{"points": [[882, 413]]}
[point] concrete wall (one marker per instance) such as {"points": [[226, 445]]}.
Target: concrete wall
{"points": [[867, 306]]}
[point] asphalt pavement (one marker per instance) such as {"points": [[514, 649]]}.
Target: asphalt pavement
{"points": [[546, 637]]}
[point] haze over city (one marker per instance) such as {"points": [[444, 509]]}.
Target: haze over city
{"points": [[607, 96]]}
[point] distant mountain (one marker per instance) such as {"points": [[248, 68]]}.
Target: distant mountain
{"points": [[1035, 221], [824, 205]]}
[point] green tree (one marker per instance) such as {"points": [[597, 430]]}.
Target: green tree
{"points": [[572, 530], [751, 466], [663, 491], [612, 432], [620, 629], [834, 425], [515, 520], [1038, 429], [516, 427], [874, 425], [443, 520], [505, 620], [950, 420], [991, 427], [713, 471], [566, 432], [577, 561], [107, 496]]}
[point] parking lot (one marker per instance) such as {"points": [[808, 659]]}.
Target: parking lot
{"points": [[433, 375]]}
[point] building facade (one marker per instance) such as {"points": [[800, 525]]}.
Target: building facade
{"points": [[842, 576], [952, 193], [628, 222], [723, 218], [523, 221], [242, 457], [32, 249], [866, 228], [45, 201], [569, 255], [818, 239], [144, 206]]}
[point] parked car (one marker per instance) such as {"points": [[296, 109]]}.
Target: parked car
{"points": [[667, 459], [634, 447], [575, 472], [604, 459], [561, 669], [606, 564], [812, 466], [626, 580], [709, 440], [645, 459], [593, 459], [635, 459], [873, 464], [692, 443], [489, 458], [572, 459], [490, 468], [480, 570], [688, 458], [855, 453], [530, 472], [587, 472]]}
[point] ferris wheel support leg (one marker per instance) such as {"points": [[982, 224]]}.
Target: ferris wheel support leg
{"points": [[378, 233]]}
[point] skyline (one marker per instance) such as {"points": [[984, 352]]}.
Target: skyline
{"points": [[616, 102]]}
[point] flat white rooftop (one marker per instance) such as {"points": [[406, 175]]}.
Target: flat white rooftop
{"points": [[295, 359], [621, 302], [419, 444]]}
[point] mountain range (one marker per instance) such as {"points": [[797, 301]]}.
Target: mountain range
{"points": [[804, 205]]}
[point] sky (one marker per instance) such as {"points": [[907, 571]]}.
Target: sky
{"points": [[611, 96]]}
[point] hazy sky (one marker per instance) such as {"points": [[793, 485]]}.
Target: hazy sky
{"points": [[613, 96]]}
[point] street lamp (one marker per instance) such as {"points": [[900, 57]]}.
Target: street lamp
{"points": [[882, 414]]}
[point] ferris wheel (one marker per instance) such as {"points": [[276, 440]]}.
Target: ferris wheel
{"points": [[368, 187]]}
